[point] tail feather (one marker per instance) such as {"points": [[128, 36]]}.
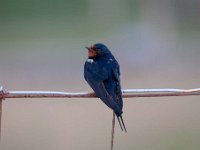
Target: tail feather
{"points": [[120, 123], [123, 124]]}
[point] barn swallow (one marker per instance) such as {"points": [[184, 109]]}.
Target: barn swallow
{"points": [[102, 72]]}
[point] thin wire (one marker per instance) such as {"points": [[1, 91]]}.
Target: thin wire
{"points": [[113, 131], [128, 93], [1, 99]]}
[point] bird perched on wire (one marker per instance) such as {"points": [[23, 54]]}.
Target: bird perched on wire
{"points": [[102, 72]]}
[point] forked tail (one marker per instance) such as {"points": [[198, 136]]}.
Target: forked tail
{"points": [[121, 123]]}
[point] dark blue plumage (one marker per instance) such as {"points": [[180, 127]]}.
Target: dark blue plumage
{"points": [[102, 73]]}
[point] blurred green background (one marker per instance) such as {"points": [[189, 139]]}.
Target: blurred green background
{"points": [[42, 48]]}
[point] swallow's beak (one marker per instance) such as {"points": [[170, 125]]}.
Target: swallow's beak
{"points": [[87, 48], [91, 52]]}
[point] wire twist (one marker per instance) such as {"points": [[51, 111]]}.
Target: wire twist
{"points": [[1, 93]]}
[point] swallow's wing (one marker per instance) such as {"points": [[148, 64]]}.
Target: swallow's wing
{"points": [[103, 94], [116, 75], [95, 77]]}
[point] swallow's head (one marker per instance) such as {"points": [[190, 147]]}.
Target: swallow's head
{"points": [[97, 50]]}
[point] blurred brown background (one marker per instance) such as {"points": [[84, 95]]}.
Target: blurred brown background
{"points": [[42, 48]]}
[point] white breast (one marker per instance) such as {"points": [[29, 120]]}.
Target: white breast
{"points": [[90, 60]]}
